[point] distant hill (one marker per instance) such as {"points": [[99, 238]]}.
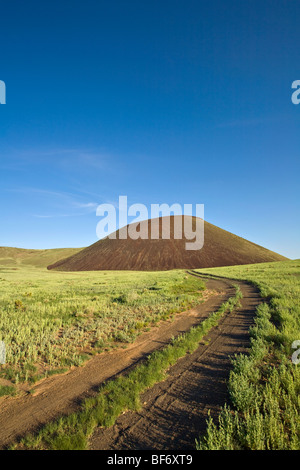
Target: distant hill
{"points": [[12, 257], [221, 248]]}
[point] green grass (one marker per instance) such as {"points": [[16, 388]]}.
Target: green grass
{"points": [[51, 320], [7, 390], [18, 257], [264, 386], [122, 394]]}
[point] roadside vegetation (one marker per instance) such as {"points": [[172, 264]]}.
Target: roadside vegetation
{"points": [[51, 321], [122, 394], [7, 390], [264, 386]]}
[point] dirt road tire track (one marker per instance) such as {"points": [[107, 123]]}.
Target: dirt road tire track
{"points": [[175, 411]]}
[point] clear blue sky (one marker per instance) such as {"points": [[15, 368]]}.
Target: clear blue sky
{"points": [[162, 101]]}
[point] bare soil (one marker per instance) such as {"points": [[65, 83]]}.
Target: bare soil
{"points": [[62, 394], [221, 248]]}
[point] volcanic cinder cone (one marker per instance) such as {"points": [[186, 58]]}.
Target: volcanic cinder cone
{"points": [[221, 248]]}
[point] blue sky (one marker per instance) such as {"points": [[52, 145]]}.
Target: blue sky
{"points": [[173, 101]]}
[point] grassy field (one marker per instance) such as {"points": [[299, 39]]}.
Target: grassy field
{"points": [[51, 321], [39, 258], [265, 385]]}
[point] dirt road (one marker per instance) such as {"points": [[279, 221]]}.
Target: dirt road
{"points": [[175, 411], [62, 394]]}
